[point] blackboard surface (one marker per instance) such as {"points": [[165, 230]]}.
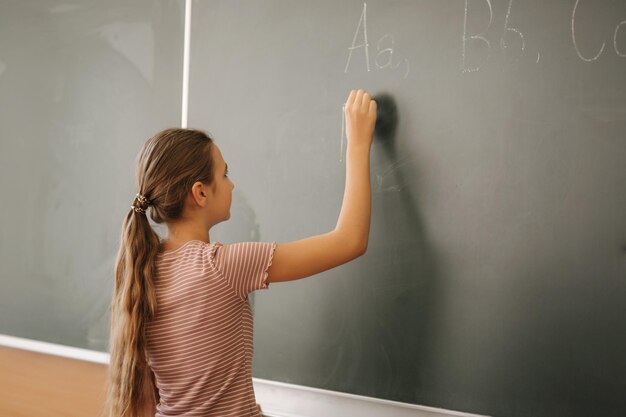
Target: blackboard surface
{"points": [[82, 85], [495, 278]]}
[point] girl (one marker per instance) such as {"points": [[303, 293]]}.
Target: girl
{"points": [[181, 325]]}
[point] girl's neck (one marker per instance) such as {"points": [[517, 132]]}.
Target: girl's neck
{"points": [[179, 236]]}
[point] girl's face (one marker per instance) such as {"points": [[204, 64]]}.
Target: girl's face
{"points": [[222, 188]]}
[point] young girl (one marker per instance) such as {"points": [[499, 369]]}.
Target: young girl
{"points": [[181, 325]]}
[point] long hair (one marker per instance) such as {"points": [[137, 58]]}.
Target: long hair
{"points": [[168, 164]]}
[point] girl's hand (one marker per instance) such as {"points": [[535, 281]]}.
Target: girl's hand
{"points": [[360, 112]]}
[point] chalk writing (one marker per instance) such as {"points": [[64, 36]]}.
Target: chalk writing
{"points": [[380, 177], [513, 42], [623, 22], [388, 51], [384, 57], [503, 44], [580, 55], [574, 38], [507, 29], [479, 37], [365, 45], [389, 54]]}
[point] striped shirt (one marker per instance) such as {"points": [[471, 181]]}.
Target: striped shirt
{"points": [[199, 342]]}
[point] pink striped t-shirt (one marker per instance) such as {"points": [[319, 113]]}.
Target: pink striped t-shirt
{"points": [[199, 342]]}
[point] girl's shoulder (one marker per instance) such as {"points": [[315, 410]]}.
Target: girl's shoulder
{"points": [[168, 251]]}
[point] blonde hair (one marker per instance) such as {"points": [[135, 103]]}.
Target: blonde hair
{"points": [[168, 164]]}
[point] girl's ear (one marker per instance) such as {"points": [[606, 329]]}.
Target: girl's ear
{"points": [[198, 193]]}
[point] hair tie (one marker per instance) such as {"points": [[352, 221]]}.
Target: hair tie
{"points": [[140, 204]]}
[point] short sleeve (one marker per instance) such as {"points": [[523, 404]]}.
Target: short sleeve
{"points": [[244, 265]]}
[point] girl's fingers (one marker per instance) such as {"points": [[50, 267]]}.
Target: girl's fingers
{"points": [[351, 98], [358, 99], [365, 102], [372, 108]]}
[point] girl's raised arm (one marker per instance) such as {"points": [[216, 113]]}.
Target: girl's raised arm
{"points": [[310, 256]]}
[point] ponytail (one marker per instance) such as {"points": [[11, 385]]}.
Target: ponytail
{"points": [[132, 389], [168, 164]]}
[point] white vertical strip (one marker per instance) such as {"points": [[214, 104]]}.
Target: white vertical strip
{"points": [[183, 121]]}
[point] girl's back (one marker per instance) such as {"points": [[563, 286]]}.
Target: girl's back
{"points": [[199, 343]]}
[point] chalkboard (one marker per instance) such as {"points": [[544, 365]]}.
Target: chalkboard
{"points": [[82, 85], [495, 277]]}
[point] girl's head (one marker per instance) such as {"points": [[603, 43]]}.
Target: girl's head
{"points": [[182, 175]]}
